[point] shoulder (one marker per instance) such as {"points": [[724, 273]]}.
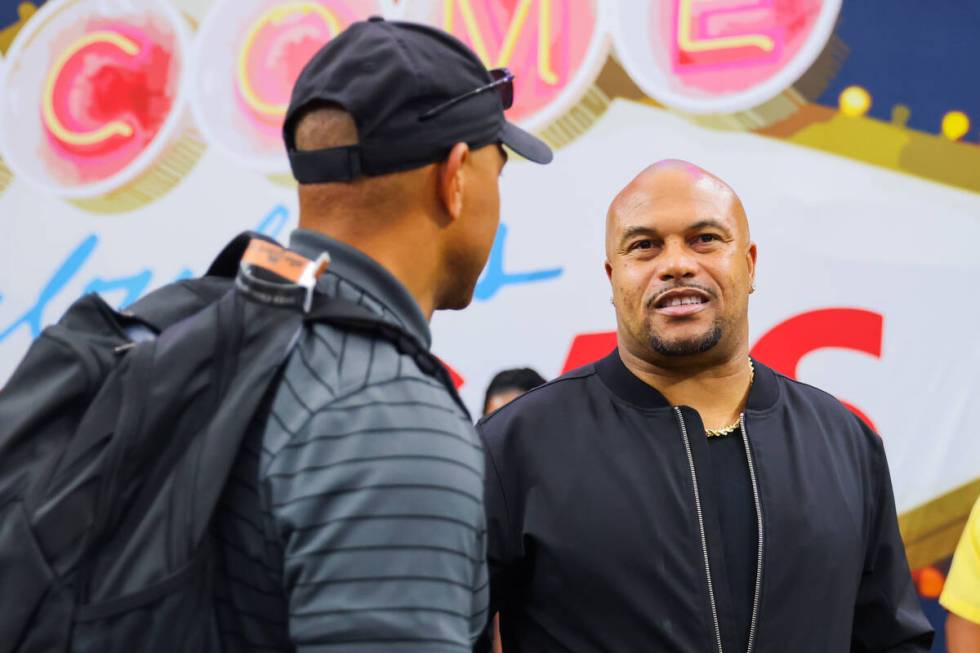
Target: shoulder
{"points": [[813, 406], [331, 362], [800, 392], [337, 382]]}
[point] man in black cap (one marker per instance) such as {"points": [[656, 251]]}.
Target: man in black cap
{"points": [[354, 519]]}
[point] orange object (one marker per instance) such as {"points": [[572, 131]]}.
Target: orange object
{"points": [[929, 582], [288, 265]]}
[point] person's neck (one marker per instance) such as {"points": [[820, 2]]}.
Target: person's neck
{"points": [[401, 247], [717, 387]]}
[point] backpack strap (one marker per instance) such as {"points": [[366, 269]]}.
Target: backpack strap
{"points": [[350, 316], [174, 302], [162, 308]]}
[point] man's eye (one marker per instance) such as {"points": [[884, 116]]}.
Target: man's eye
{"points": [[641, 244], [706, 238]]}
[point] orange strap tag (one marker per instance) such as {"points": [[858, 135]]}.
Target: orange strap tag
{"points": [[288, 265]]}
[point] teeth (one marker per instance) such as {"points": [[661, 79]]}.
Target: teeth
{"points": [[681, 301]]}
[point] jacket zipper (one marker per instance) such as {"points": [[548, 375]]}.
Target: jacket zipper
{"points": [[704, 540], [753, 626], [758, 518]]}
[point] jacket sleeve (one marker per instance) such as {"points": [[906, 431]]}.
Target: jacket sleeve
{"points": [[887, 615], [382, 530], [504, 557]]}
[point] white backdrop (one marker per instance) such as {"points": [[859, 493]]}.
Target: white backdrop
{"points": [[832, 233]]}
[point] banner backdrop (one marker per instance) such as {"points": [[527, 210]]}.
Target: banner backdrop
{"points": [[137, 135]]}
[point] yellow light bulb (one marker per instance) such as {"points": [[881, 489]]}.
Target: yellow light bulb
{"points": [[854, 101], [955, 125]]}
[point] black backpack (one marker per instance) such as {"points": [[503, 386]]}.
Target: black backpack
{"points": [[117, 434]]}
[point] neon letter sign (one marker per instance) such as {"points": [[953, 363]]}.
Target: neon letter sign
{"points": [[554, 47], [106, 95], [271, 57], [51, 120], [545, 70], [722, 56], [696, 47]]}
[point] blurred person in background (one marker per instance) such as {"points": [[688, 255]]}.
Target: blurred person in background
{"points": [[677, 495], [961, 593], [508, 385]]}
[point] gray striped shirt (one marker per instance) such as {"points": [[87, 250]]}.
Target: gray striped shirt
{"points": [[354, 519]]}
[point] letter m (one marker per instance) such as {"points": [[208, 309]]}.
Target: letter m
{"points": [[478, 18]]}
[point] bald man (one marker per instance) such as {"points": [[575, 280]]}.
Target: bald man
{"points": [[678, 495]]}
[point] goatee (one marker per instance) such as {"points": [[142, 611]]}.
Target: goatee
{"points": [[689, 346]]}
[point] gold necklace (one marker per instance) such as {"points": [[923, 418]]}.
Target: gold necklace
{"points": [[717, 433]]}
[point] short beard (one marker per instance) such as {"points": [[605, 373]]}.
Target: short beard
{"points": [[690, 346]]}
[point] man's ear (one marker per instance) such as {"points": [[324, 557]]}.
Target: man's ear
{"points": [[452, 180], [612, 289]]}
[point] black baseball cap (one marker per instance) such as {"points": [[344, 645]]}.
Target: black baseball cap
{"points": [[413, 91]]}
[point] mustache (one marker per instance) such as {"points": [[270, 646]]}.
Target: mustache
{"points": [[655, 297]]}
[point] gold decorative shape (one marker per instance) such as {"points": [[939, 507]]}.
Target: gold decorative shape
{"points": [[172, 166], [937, 158], [775, 110], [900, 115], [932, 530], [611, 83], [615, 82], [854, 101], [5, 176], [577, 120], [884, 144], [955, 125], [824, 69], [24, 12], [193, 10], [284, 179]]}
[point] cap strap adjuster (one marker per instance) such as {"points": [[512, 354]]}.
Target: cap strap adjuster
{"points": [[329, 164]]}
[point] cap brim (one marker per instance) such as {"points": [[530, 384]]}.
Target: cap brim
{"points": [[530, 147]]}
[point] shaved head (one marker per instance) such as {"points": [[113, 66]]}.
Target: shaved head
{"points": [[681, 263], [670, 175]]}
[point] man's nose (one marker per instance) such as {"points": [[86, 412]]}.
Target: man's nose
{"points": [[676, 262]]}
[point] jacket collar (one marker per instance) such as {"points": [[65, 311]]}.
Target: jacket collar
{"points": [[362, 271], [627, 386]]}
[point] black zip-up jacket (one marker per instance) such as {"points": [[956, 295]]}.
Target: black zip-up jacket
{"points": [[600, 539]]}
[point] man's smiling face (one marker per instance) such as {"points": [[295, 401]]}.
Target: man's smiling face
{"points": [[679, 261]]}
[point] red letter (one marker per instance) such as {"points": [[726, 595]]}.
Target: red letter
{"points": [[783, 346], [589, 347]]}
